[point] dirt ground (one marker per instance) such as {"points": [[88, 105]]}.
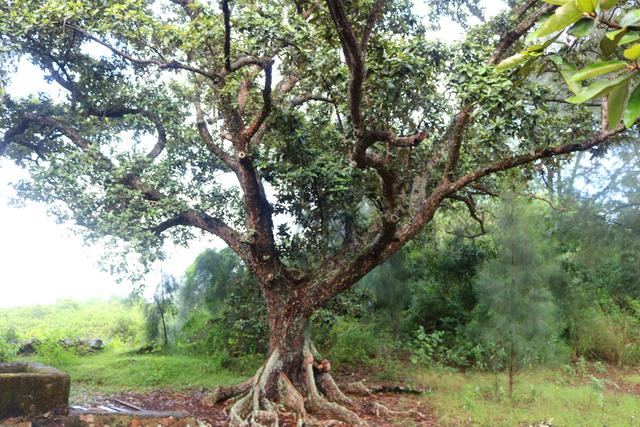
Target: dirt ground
{"points": [[407, 409]]}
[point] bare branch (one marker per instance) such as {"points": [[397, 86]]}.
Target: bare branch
{"points": [[371, 22], [205, 135], [171, 65], [471, 206], [299, 100], [266, 105], [540, 153], [372, 136]]}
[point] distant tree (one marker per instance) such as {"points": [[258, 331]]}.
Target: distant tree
{"points": [[162, 308], [209, 279], [515, 308]]}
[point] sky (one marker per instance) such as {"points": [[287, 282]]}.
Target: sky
{"points": [[42, 261]]}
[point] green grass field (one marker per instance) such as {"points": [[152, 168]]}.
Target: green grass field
{"points": [[480, 399], [458, 399]]}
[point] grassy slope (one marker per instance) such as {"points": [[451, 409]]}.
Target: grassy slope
{"points": [[74, 319]]}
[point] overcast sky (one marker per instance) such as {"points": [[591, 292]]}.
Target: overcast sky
{"points": [[41, 261]]}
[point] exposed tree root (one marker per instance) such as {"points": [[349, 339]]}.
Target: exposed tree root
{"points": [[314, 394], [220, 394], [318, 404], [358, 388], [254, 409]]}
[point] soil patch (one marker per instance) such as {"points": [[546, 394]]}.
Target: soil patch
{"points": [[405, 409]]}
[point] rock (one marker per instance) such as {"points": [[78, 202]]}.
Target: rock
{"points": [[67, 342], [96, 344], [29, 348], [31, 389]]}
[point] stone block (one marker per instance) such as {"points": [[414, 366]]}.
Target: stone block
{"points": [[31, 389]]}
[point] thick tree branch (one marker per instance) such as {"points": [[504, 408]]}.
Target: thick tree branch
{"points": [[378, 8], [355, 59], [250, 131], [226, 13]]}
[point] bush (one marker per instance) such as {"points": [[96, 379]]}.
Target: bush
{"points": [[352, 343], [609, 334], [439, 349], [7, 350], [50, 352]]}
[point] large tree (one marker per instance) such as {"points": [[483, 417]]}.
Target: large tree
{"points": [[341, 120]]}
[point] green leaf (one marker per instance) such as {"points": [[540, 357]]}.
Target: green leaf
{"points": [[607, 4], [585, 6], [632, 112], [609, 44], [630, 18], [633, 52], [582, 28], [512, 61], [567, 71], [629, 38], [528, 67], [536, 48], [612, 34], [616, 102], [598, 69], [556, 2], [564, 16], [598, 89]]}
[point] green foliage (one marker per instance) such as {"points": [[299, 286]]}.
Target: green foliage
{"points": [[73, 319], [7, 350], [355, 343], [515, 308], [51, 352], [587, 16]]}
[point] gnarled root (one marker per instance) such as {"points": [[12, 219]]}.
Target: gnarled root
{"points": [[220, 394], [318, 404], [254, 409], [315, 392]]}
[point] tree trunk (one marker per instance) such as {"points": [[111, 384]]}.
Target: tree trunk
{"points": [[292, 375], [288, 323]]}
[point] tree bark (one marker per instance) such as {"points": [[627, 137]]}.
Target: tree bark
{"points": [[293, 375], [289, 314]]}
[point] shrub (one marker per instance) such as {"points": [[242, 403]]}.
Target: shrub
{"points": [[610, 334], [50, 352], [352, 343], [7, 350]]}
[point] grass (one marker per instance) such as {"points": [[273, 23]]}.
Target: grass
{"points": [[112, 372], [481, 399], [561, 396]]}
